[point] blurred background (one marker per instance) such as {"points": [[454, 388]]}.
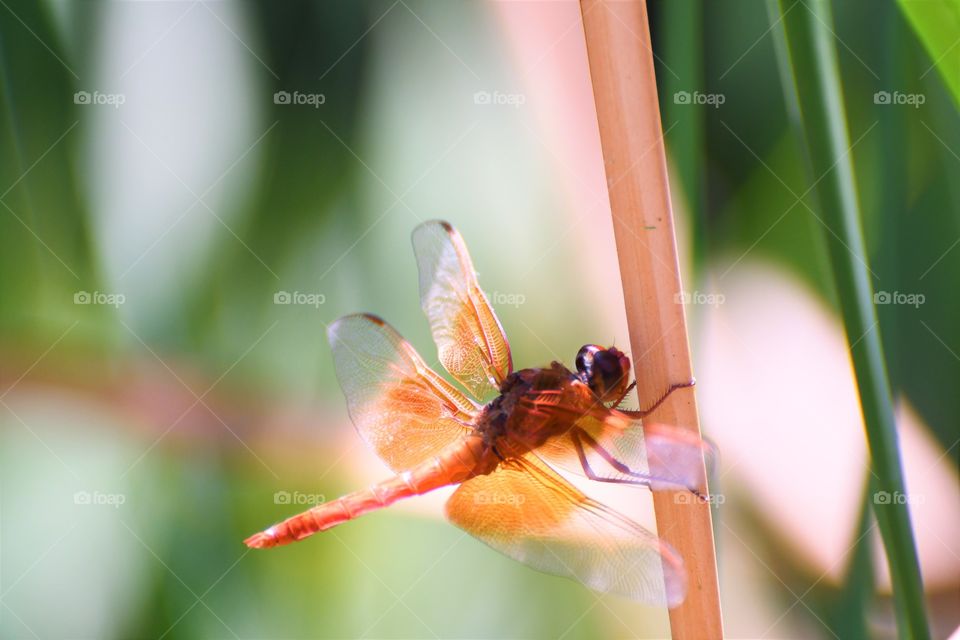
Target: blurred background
{"points": [[192, 191]]}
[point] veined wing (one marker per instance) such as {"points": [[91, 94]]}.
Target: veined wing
{"points": [[470, 340], [608, 445], [402, 409], [529, 513]]}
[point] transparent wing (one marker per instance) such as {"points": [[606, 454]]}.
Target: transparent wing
{"points": [[607, 444], [470, 340], [529, 513], [402, 409]]}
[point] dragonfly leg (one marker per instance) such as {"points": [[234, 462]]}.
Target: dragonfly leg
{"points": [[643, 413], [579, 436], [623, 395]]}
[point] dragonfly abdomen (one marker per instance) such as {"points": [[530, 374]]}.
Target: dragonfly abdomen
{"points": [[455, 464]]}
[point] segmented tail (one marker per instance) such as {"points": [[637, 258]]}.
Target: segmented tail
{"points": [[454, 465], [330, 514]]}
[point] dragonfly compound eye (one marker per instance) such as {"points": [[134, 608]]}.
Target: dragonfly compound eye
{"points": [[585, 360]]}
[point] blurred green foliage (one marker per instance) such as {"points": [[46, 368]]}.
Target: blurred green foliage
{"points": [[47, 248], [910, 203]]}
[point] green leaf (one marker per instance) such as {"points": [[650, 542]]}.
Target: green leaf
{"points": [[937, 24], [813, 62]]}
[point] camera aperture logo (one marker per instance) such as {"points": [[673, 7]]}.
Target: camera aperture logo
{"points": [[99, 498], [298, 498], [99, 298], [515, 100], [298, 98], [885, 497], [699, 98], [96, 98], [899, 98], [299, 298], [898, 297]]}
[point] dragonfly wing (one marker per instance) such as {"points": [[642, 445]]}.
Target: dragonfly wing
{"points": [[529, 513], [402, 409], [470, 340]]}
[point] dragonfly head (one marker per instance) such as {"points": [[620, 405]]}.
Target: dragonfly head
{"points": [[605, 370]]}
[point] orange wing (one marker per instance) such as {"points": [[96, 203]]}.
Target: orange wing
{"points": [[470, 340], [401, 408], [529, 513], [608, 445]]}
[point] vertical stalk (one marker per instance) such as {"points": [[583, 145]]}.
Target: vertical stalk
{"points": [[817, 80], [625, 91]]}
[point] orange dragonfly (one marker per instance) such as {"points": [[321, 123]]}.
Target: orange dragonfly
{"points": [[501, 446]]}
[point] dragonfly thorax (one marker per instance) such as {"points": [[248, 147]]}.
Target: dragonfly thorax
{"points": [[510, 416]]}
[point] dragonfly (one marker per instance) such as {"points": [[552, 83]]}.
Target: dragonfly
{"points": [[505, 438]]}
